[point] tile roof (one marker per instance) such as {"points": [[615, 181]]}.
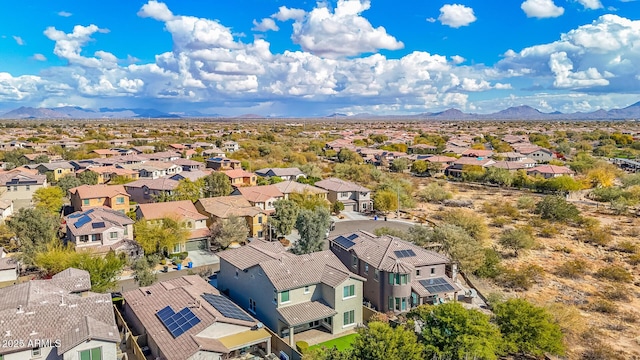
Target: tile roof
{"points": [[179, 293], [224, 206], [288, 187], [305, 312], [161, 184], [465, 160], [440, 159], [20, 176], [338, 185], [260, 194], [551, 169], [379, 252], [110, 170], [238, 173], [98, 191], [182, 209], [57, 165], [192, 175], [292, 171], [94, 217], [54, 309], [254, 253]]}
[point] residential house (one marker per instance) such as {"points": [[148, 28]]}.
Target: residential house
{"points": [[106, 173], [189, 165], [186, 318], [283, 173], [539, 154], [20, 184], [292, 293], [240, 177], [214, 152], [6, 209], [162, 156], [478, 153], [230, 146], [85, 197], [399, 275], [465, 163], [550, 171], [193, 175], [56, 169], [58, 319], [154, 169], [105, 153], [202, 145], [184, 212], [223, 207], [177, 147], [144, 191], [144, 149], [9, 269], [100, 230], [221, 164], [514, 165], [294, 187], [354, 197], [422, 149], [510, 156], [261, 196]]}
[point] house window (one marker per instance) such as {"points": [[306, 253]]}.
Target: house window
{"points": [[344, 194], [433, 271], [126, 230], [95, 237], [59, 171], [8, 188], [275, 296], [417, 272], [354, 261], [120, 200], [84, 238], [259, 219], [398, 279], [85, 202], [259, 234], [349, 318], [236, 276], [15, 188], [376, 274], [397, 304], [28, 187], [176, 248], [404, 304], [390, 303], [252, 305], [113, 235], [91, 354], [366, 268], [306, 289], [348, 291], [284, 296]]}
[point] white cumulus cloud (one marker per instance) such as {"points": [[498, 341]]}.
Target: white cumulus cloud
{"points": [[591, 4], [18, 40], [456, 15], [39, 57], [64, 13], [284, 13], [156, 10], [541, 9], [265, 24]]}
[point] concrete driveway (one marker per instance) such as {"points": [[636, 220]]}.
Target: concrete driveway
{"points": [[203, 257]]}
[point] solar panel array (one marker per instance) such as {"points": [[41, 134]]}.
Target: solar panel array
{"points": [[177, 323], [404, 253], [84, 219], [352, 236], [437, 285], [226, 307], [98, 225], [344, 242]]}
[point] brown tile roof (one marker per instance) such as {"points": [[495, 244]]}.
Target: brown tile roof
{"points": [[182, 209], [179, 293], [477, 152], [53, 309], [254, 253], [224, 206], [465, 160], [551, 169], [96, 215], [338, 185], [105, 152], [288, 187], [238, 173], [260, 194], [98, 191], [305, 312], [292, 171], [440, 159], [163, 184], [109, 170], [21, 176]]}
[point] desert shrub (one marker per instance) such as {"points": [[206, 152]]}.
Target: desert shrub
{"points": [[627, 247], [596, 235], [556, 208], [516, 240], [614, 273], [573, 269], [434, 193], [500, 208], [604, 306], [616, 293], [607, 194], [588, 222], [471, 222], [601, 351], [490, 268], [500, 221], [521, 279], [634, 259], [526, 203], [563, 249], [549, 231]]}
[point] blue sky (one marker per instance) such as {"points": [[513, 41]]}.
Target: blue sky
{"points": [[305, 58]]}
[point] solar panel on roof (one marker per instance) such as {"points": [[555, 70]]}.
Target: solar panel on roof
{"points": [[404, 253], [344, 242], [82, 221], [226, 307], [76, 215], [177, 323], [352, 236], [437, 285], [98, 225]]}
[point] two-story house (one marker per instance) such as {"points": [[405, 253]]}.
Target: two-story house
{"points": [[20, 184], [261, 196], [106, 173], [222, 163], [58, 319], [186, 318], [305, 190], [240, 177], [100, 230], [189, 165], [292, 293], [184, 212], [56, 169], [230, 146], [154, 169], [144, 191], [399, 274], [223, 207], [285, 174], [354, 197], [85, 197]]}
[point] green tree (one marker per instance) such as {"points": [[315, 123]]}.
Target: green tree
{"points": [[449, 331], [41, 159], [337, 207], [471, 222], [562, 183], [528, 329], [188, 190], [69, 182], [159, 237], [419, 167], [231, 229], [104, 271], [379, 341], [349, 156], [217, 184], [143, 273], [308, 200], [498, 176], [557, 208], [464, 249], [284, 220], [88, 178], [385, 200], [312, 226], [399, 165], [49, 198], [434, 193], [516, 240], [34, 229]]}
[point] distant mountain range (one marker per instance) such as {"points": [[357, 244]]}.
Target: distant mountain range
{"points": [[523, 112]]}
